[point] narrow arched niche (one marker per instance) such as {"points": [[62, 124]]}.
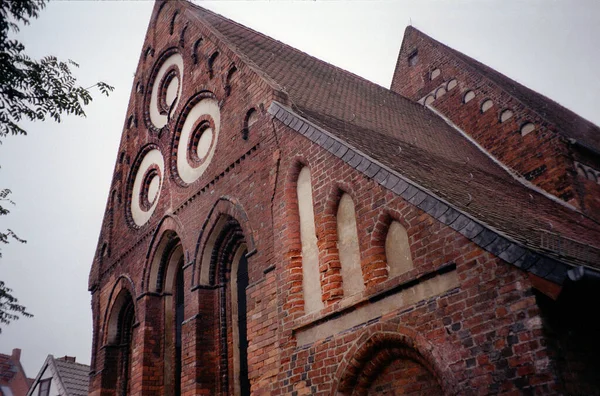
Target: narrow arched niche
{"points": [[435, 74], [311, 284], [349, 252], [397, 250], [211, 64], [486, 105], [440, 92], [230, 74], [195, 49], [451, 84], [469, 95], [506, 115], [429, 100], [527, 128], [249, 120]]}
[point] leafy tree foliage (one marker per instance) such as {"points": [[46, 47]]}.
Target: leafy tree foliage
{"points": [[31, 90]]}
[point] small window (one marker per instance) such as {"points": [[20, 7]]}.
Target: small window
{"points": [[506, 115], [413, 58], [429, 100], [486, 105], [468, 96], [440, 92], [451, 84], [435, 73], [527, 128], [44, 389]]}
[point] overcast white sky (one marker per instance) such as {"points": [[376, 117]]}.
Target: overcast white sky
{"points": [[60, 173]]}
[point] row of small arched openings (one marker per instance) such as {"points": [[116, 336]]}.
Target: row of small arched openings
{"points": [[588, 172], [353, 278], [504, 115]]}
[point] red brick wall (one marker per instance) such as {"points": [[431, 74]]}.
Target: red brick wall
{"points": [[543, 156], [484, 336], [405, 377]]}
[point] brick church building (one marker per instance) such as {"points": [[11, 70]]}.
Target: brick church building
{"points": [[277, 225]]}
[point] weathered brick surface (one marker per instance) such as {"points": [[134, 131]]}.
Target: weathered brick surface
{"points": [[543, 157], [484, 336]]}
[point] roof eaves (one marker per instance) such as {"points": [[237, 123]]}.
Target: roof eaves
{"points": [[483, 235]]}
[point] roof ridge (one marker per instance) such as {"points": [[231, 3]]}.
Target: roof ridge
{"points": [[71, 363]]}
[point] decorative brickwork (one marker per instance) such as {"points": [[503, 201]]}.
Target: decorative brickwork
{"points": [[448, 290]]}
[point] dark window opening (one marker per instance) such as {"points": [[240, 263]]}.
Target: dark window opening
{"points": [[45, 387], [126, 317], [242, 284], [179, 311]]}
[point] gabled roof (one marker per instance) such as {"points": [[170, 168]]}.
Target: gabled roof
{"points": [[411, 141], [569, 124], [70, 376]]}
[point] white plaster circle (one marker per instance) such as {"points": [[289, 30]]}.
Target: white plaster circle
{"points": [[172, 94], [204, 143], [172, 91], [139, 214], [187, 171], [153, 188]]}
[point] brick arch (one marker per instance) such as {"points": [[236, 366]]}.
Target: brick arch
{"points": [[378, 346], [293, 268], [171, 226], [123, 286], [327, 232], [224, 206], [291, 202], [378, 237]]}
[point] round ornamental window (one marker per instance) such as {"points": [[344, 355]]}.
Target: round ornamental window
{"points": [[147, 182], [166, 90], [196, 143], [201, 142]]}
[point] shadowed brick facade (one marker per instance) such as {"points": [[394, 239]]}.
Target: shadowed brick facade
{"points": [[431, 258]]}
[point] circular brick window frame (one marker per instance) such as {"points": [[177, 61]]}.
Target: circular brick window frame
{"points": [[144, 197], [141, 199], [162, 107], [171, 73], [191, 157], [201, 125]]}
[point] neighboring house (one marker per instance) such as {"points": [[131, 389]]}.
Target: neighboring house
{"points": [[277, 225], [61, 377], [13, 381]]}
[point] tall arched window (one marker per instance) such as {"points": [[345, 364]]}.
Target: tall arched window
{"points": [[167, 278], [229, 270], [239, 308], [118, 348], [311, 283], [171, 283], [352, 278]]}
